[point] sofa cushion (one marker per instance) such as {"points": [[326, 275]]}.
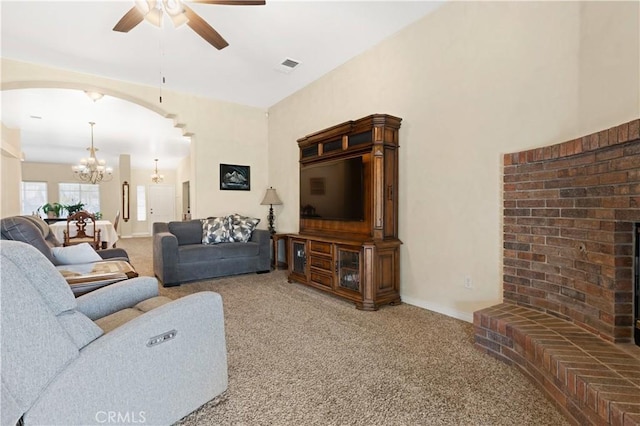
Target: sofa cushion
{"points": [[208, 253], [241, 227], [118, 318], [200, 253], [234, 250], [215, 230], [188, 232]]}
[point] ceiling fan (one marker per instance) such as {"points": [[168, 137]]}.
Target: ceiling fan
{"points": [[151, 10]]}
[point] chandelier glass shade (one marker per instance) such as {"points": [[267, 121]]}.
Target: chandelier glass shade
{"points": [[156, 177], [91, 169]]}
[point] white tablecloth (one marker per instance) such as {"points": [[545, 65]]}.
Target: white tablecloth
{"points": [[107, 233]]}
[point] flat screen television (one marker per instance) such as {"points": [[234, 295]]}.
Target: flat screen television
{"points": [[333, 190]]}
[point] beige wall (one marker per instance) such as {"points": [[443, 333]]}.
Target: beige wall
{"points": [[472, 81], [609, 49], [54, 174], [110, 192], [10, 172], [223, 132], [183, 174], [143, 177]]}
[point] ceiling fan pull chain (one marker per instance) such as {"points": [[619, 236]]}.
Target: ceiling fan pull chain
{"points": [[162, 80]]}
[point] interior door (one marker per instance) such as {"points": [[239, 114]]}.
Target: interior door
{"points": [[161, 204]]}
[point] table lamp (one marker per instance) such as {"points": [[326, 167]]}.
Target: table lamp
{"points": [[271, 198]]}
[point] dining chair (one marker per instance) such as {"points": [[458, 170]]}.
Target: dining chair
{"points": [[83, 235]]}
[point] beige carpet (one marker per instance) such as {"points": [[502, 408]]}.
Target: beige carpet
{"points": [[300, 357]]}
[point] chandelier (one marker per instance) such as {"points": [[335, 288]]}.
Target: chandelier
{"points": [[156, 177], [91, 169]]}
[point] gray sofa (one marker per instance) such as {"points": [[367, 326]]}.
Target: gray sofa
{"points": [[120, 354], [179, 255]]}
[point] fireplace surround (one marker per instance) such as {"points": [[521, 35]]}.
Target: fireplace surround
{"points": [[570, 214], [569, 217], [636, 286], [570, 271]]}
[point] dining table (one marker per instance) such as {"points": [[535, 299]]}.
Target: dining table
{"points": [[108, 234]]}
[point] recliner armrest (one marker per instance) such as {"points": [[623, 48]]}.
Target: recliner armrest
{"points": [[118, 296], [113, 254]]}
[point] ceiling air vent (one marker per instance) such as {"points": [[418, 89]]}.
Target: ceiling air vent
{"points": [[288, 65]]}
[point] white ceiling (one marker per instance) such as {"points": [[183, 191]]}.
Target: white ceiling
{"points": [[62, 132], [78, 35]]}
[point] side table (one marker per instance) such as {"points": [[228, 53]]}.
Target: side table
{"points": [[275, 263]]}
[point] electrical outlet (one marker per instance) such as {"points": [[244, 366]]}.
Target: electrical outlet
{"points": [[467, 282]]}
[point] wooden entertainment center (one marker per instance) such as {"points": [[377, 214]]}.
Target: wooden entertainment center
{"points": [[348, 241]]}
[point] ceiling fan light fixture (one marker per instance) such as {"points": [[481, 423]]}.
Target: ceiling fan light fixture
{"points": [[173, 7], [155, 17], [143, 6], [151, 11], [179, 20]]}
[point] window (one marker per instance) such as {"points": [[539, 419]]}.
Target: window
{"points": [[141, 204], [34, 195], [74, 193]]}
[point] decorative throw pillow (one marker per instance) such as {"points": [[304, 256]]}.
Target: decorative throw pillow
{"points": [[215, 230], [70, 255], [241, 227]]}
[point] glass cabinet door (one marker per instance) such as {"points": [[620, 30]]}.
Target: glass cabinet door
{"points": [[299, 257], [348, 268]]}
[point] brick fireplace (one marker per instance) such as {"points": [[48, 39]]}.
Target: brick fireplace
{"points": [[570, 271], [570, 217]]}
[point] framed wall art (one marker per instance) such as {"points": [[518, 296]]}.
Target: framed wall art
{"points": [[235, 178]]}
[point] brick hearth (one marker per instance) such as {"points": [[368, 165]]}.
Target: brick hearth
{"points": [[591, 381]]}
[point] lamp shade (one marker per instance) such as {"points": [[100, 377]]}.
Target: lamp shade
{"points": [[271, 198]]}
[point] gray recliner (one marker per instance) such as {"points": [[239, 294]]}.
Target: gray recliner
{"points": [[121, 352], [35, 231]]}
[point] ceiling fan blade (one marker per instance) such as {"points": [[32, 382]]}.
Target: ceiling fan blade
{"points": [[232, 2], [130, 19], [204, 30]]}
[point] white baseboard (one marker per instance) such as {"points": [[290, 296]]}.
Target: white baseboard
{"points": [[444, 310]]}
